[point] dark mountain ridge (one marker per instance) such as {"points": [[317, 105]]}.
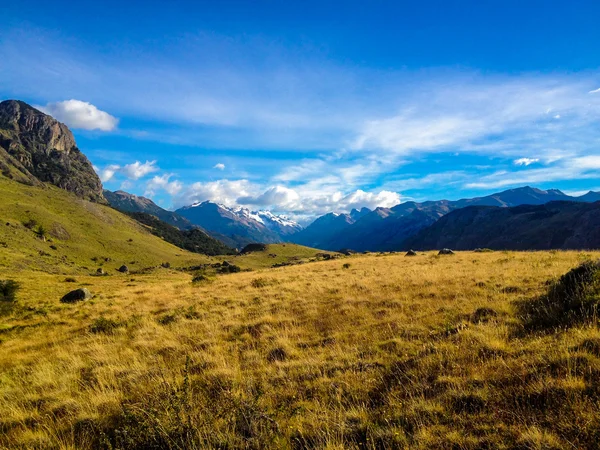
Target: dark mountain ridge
{"points": [[387, 228], [554, 225], [127, 202]]}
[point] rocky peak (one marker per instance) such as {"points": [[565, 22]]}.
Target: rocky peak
{"points": [[38, 145]]}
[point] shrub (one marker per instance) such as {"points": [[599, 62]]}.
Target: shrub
{"points": [[70, 280], [346, 266], [41, 231], [166, 319], [8, 290], [201, 278], [8, 296], [255, 247], [259, 283], [30, 224], [231, 268], [103, 325], [574, 298]]}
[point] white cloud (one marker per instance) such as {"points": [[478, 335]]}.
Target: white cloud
{"points": [[108, 172], [277, 195], [162, 182], [221, 191], [78, 114], [133, 171], [219, 166], [595, 91], [584, 167], [525, 161], [137, 170]]}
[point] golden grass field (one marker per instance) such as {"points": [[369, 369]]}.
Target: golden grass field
{"points": [[390, 352]]}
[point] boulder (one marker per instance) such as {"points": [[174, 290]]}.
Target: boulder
{"points": [[78, 295], [123, 269], [411, 253], [446, 251]]}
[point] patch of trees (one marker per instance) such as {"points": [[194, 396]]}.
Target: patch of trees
{"points": [[194, 240]]}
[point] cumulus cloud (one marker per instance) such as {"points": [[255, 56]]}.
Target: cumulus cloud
{"points": [[133, 171], [108, 172], [83, 115], [308, 202], [219, 166], [221, 191], [277, 195], [137, 170], [162, 182], [525, 161]]}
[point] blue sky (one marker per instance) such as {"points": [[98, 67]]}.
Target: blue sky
{"points": [[308, 107]]}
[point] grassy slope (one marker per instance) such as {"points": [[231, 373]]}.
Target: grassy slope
{"points": [[386, 353], [92, 231], [284, 253]]}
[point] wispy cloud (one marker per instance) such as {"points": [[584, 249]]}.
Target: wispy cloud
{"points": [[525, 161]]}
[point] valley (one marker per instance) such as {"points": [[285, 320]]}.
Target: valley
{"points": [[329, 354], [124, 325]]}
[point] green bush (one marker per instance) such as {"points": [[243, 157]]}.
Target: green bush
{"points": [[8, 290], [231, 268]]}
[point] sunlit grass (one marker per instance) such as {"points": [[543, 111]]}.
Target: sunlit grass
{"points": [[389, 352]]}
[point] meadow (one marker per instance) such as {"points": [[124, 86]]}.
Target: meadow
{"points": [[376, 351]]}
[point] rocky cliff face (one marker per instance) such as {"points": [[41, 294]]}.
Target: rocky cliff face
{"points": [[35, 146]]}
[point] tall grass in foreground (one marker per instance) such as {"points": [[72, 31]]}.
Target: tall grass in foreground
{"points": [[388, 352]]}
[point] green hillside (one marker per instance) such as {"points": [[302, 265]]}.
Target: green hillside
{"points": [[46, 228]]}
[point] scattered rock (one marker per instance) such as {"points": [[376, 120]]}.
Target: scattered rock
{"points": [[225, 263], [166, 265], [446, 251], [100, 271], [346, 251], [78, 295], [123, 269], [411, 253]]}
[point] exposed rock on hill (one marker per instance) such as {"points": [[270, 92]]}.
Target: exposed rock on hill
{"points": [[34, 147]]}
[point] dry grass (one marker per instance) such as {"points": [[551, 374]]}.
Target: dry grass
{"points": [[390, 352]]}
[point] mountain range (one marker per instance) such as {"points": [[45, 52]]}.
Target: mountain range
{"points": [[554, 225], [388, 228], [37, 150], [239, 226], [382, 229]]}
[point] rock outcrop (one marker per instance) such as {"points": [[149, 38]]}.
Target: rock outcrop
{"points": [[35, 147]]}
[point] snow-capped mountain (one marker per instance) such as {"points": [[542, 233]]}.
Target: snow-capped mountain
{"points": [[239, 226], [279, 224]]}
